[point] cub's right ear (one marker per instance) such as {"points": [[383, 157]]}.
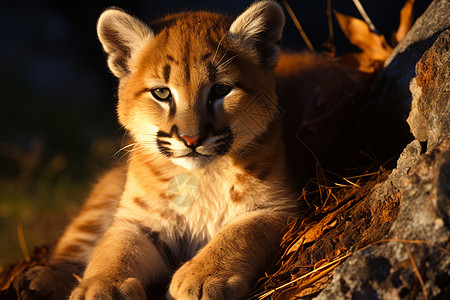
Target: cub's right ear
{"points": [[121, 35], [258, 30]]}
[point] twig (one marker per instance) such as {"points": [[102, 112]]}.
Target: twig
{"points": [[330, 22], [343, 178], [331, 265], [416, 270], [297, 24], [78, 278], [329, 44], [365, 16], [407, 242], [23, 245], [319, 170]]}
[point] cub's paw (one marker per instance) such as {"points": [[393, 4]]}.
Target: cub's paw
{"points": [[42, 282], [100, 288], [198, 279]]}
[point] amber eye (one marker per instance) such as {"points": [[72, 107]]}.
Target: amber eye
{"points": [[161, 94], [218, 91]]}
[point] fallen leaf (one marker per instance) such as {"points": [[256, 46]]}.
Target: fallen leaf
{"points": [[317, 229], [406, 21], [359, 34], [313, 281]]}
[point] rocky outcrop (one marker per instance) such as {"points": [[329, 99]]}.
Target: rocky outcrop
{"points": [[418, 244], [429, 117], [390, 98], [412, 97]]}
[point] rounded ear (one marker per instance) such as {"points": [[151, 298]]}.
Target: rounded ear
{"points": [[258, 30], [121, 35]]}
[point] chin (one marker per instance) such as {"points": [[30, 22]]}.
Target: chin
{"points": [[193, 163]]}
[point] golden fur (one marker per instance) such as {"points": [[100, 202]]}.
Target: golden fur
{"points": [[218, 132]]}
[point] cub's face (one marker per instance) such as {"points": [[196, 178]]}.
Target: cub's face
{"points": [[194, 87]]}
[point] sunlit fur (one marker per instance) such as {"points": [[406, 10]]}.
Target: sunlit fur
{"points": [[134, 232]]}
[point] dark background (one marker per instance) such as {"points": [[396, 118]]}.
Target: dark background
{"points": [[57, 98], [53, 78]]}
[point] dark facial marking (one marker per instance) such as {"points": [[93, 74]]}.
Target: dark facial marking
{"points": [[206, 56], [187, 61], [225, 142], [161, 144], [212, 72], [170, 58], [164, 150], [187, 72], [172, 109], [173, 130], [166, 73]]}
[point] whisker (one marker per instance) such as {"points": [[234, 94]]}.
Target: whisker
{"points": [[154, 158], [227, 62], [223, 56], [218, 47], [125, 147]]}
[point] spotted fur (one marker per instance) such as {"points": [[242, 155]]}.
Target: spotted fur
{"points": [[199, 206]]}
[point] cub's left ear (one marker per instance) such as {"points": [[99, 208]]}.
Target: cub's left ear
{"points": [[258, 30], [121, 36]]}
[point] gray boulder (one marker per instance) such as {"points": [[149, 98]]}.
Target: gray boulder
{"points": [[384, 113]]}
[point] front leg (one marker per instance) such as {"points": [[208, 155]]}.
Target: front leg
{"points": [[123, 263], [232, 261]]}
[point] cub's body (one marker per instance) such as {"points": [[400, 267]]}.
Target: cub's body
{"points": [[200, 204]]}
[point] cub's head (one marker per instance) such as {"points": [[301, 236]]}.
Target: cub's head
{"points": [[195, 87]]}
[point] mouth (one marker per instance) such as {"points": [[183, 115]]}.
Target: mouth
{"points": [[194, 154], [193, 160]]}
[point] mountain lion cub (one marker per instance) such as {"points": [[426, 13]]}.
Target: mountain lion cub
{"points": [[197, 211]]}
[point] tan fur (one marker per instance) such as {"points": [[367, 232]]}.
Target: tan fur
{"points": [[134, 231]]}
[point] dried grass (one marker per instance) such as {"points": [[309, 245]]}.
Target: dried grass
{"points": [[309, 254]]}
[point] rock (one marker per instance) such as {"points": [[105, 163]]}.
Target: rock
{"points": [[399, 69], [428, 119], [391, 186], [385, 271], [384, 114], [414, 260], [421, 217]]}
